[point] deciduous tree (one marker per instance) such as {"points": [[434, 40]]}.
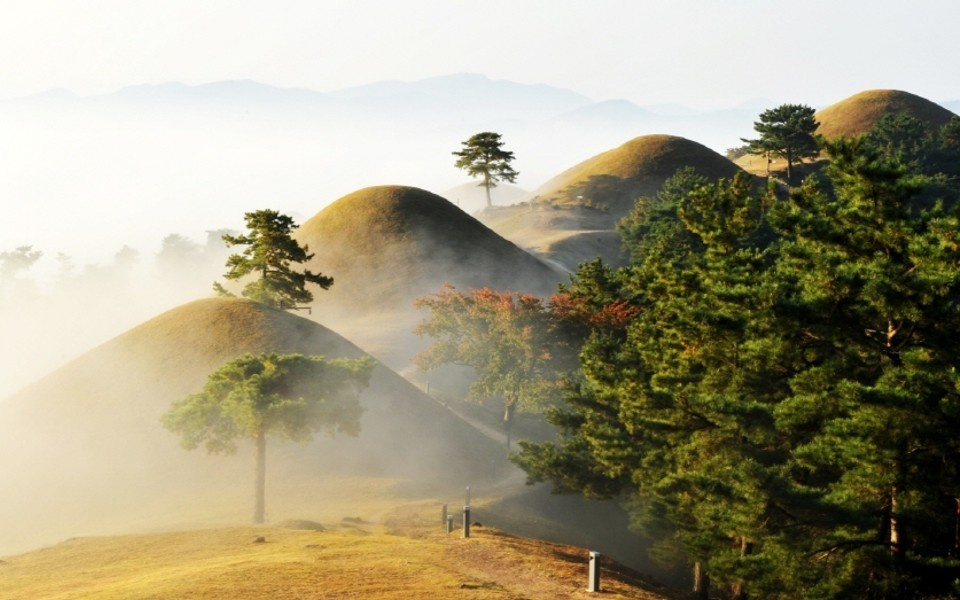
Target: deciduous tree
{"points": [[508, 338]]}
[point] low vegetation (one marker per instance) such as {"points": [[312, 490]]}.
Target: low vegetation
{"points": [[409, 555]]}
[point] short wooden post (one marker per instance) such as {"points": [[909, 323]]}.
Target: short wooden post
{"points": [[443, 514], [449, 523], [466, 521], [593, 580]]}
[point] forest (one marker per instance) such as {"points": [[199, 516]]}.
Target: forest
{"points": [[770, 384]]}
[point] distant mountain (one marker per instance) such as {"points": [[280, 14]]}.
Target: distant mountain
{"points": [[860, 112], [242, 94], [671, 110], [622, 113], [467, 93]]}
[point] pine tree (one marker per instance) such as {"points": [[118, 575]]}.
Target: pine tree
{"points": [[783, 406], [483, 155], [286, 395], [869, 283], [270, 251], [786, 131]]}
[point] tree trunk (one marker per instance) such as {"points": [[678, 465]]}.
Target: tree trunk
{"points": [[701, 581], [509, 407], [895, 533], [259, 503], [739, 592], [956, 526], [486, 186], [789, 167]]}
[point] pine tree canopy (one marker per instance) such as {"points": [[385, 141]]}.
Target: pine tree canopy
{"points": [[268, 256], [783, 403], [483, 155]]}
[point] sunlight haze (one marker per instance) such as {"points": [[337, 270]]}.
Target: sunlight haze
{"points": [[122, 123], [697, 52]]}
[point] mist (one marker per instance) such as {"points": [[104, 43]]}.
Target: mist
{"points": [[126, 197], [86, 179]]}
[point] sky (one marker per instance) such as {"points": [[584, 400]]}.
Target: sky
{"points": [[701, 53], [81, 185]]}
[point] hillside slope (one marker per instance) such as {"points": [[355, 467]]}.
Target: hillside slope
{"points": [[403, 558], [85, 448], [616, 178], [571, 218], [860, 112], [386, 246]]}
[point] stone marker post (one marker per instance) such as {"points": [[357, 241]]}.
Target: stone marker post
{"points": [[593, 580]]}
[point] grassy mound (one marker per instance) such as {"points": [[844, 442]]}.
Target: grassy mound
{"points": [[613, 180], [86, 451], [571, 218], [860, 112], [387, 245], [471, 197], [417, 562]]}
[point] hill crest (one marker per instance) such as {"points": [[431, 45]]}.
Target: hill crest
{"points": [[387, 245], [859, 113], [90, 431], [617, 177]]}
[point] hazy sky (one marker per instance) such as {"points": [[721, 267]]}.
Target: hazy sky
{"points": [[704, 53], [85, 184]]}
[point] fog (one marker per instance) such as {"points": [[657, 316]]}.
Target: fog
{"points": [[84, 179], [126, 196]]}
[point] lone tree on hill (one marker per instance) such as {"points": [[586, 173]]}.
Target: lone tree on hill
{"points": [[482, 154], [786, 131], [288, 395], [269, 252]]}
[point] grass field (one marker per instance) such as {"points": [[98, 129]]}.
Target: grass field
{"points": [[405, 555]]}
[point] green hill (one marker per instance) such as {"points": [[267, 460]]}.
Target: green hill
{"points": [[615, 178], [386, 246], [85, 450], [571, 218], [860, 112]]}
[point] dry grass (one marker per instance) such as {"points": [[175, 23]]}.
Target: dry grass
{"points": [[639, 167], [407, 556], [86, 451], [858, 113], [387, 245], [571, 218]]}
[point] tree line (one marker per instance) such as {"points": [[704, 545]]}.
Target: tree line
{"points": [[771, 384]]}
